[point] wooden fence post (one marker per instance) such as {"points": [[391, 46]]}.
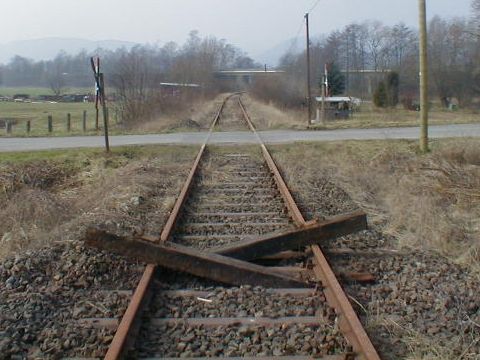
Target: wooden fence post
{"points": [[84, 124], [8, 127], [69, 122], [29, 126], [50, 123]]}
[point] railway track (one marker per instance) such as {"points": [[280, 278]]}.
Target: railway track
{"points": [[233, 195]]}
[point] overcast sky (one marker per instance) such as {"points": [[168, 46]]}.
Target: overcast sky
{"points": [[253, 25]]}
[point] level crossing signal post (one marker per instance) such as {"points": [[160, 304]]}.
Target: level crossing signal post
{"points": [[100, 98]]}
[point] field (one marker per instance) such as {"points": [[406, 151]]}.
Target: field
{"points": [[36, 91], [38, 114], [268, 116], [370, 117]]}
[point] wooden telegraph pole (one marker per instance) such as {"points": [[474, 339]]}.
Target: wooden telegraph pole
{"points": [[423, 76], [309, 90]]}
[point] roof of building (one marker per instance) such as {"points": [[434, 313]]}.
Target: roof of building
{"points": [[250, 72], [179, 85], [339, 99]]}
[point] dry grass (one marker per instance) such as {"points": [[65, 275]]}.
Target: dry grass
{"points": [[198, 116], [418, 345], [372, 117], [54, 200], [430, 201], [268, 116]]}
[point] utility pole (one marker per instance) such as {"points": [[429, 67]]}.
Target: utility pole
{"points": [[423, 76], [309, 90]]}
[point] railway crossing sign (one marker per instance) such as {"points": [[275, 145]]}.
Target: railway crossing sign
{"points": [[100, 97]]}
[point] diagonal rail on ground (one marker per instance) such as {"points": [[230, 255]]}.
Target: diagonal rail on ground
{"points": [[224, 264], [181, 258], [315, 233]]}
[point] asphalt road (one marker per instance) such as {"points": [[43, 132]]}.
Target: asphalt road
{"points": [[271, 137]]}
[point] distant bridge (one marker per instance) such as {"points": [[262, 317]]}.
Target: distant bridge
{"points": [[245, 77]]}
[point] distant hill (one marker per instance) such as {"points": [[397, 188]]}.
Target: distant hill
{"points": [[48, 48]]}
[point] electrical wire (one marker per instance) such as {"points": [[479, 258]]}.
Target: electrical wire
{"points": [[294, 43], [314, 6]]}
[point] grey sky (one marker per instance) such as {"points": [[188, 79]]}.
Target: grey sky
{"points": [[254, 25]]}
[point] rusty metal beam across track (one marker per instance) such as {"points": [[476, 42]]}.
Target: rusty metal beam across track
{"points": [[124, 334], [192, 261], [315, 233], [349, 322]]}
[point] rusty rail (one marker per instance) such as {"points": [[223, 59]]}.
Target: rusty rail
{"points": [[127, 326], [349, 322]]}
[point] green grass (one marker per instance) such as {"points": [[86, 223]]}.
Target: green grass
{"points": [[36, 91], [38, 114], [77, 155]]}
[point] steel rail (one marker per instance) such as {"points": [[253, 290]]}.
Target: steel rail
{"points": [[126, 328], [349, 322]]}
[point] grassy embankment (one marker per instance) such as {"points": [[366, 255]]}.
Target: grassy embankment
{"points": [[426, 201], [51, 196]]}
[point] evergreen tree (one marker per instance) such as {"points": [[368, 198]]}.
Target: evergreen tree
{"points": [[380, 97], [393, 84], [336, 80]]}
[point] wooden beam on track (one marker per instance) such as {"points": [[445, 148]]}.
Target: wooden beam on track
{"points": [[316, 233], [180, 258]]}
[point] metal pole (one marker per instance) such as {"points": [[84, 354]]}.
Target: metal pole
{"points": [[309, 91], [423, 76], [324, 94]]}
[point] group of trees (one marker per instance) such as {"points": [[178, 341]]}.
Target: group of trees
{"points": [[367, 52], [135, 74]]}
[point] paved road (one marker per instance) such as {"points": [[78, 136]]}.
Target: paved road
{"points": [[272, 137]]}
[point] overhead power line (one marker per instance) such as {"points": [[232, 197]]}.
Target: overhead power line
{"points": [[314, 6]]}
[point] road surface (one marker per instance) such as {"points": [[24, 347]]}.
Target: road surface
{"points": [[239, 137]]}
